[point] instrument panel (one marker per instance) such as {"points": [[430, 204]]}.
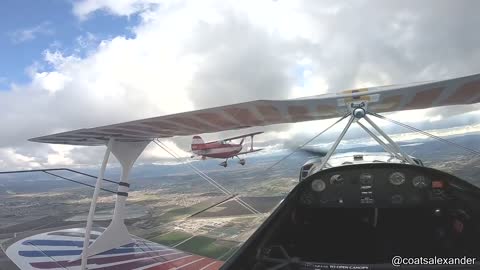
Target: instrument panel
{"points": [[372, 186]]}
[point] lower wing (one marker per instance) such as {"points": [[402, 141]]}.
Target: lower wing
{"points": [[61, 250], [250, 151]]}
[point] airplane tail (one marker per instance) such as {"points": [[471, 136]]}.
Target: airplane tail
{"points": [[196, 142]]}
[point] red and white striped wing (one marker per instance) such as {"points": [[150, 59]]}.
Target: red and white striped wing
{"points": [[459, 91]]}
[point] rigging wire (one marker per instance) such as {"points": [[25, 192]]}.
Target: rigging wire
{"points": [[212, 181], [307, 142], [221, 188], [78, 182], [58, 169], [206, 177], [48, 171], [475, 152]]}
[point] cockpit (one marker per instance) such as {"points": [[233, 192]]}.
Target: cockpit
{"points": [[363, 215]]}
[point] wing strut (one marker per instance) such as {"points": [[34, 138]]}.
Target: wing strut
{"points": [[116, 234], [337, 142], [358, 112], [385, 146], [93, 204], [392, 143]]}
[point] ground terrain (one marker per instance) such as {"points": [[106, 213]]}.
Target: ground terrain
{"points": [[173, 206]]}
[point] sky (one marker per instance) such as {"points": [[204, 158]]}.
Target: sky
{"points": [[75, 64]]}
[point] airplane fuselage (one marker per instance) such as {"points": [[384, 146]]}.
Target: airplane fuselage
{"points": [[217, 150]]}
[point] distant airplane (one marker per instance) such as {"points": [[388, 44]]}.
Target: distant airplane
{"points": [[222, 149]]}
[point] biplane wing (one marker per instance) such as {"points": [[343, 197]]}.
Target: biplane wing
{"points": [[243, 136], [250, 151], [61, 249], [458, 91]]}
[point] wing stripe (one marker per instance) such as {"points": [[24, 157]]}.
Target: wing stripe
{"points": [[53, 253], [175, 263], [465, 92], [74, 234], [55, 243], [198, 264], [146, 262], [103, 260], [213, 266]]}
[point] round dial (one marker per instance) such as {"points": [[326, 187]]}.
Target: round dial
{"points": [[307, 198], [420, 181], [397, 178], [366, 179], [318, 185], [336, 179]]}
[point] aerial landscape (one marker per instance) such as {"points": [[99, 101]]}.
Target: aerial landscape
{"points": [[218, 127], [176, 209]]}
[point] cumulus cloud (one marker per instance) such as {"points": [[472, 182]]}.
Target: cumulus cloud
{"points": [[188, 55]]}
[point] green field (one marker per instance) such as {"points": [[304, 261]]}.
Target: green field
{"points": [[207, 246], [184, 212], [171, 238]]}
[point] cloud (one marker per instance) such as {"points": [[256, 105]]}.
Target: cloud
{"points": [[116, 7], [188, 55], [29, 34]]}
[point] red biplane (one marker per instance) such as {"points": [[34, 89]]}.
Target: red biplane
{"points": [[223, 149]]}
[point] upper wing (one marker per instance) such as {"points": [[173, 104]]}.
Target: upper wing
{"points": [[61, 250], [459, 91], [243, 136]]}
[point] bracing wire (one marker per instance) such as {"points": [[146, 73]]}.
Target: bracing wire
{"points": [[49, 172], [307, 142], [78, 182], [206, 177], [58, 169], [215, 183], [475, 152]]}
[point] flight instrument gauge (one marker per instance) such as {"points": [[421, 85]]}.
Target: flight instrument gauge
{"points": [[366, 179], [396, 178], [420, 181], [337, 179], [318, 185]]}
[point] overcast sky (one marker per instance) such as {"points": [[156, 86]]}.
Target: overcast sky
{"points": [[68, 65]]}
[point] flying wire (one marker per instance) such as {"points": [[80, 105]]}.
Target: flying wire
{"points": [[48, 171], [164, 147], [58, 169], [307, 142], [211, 180], [78, 182], [206, 177], [475, 152]]}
